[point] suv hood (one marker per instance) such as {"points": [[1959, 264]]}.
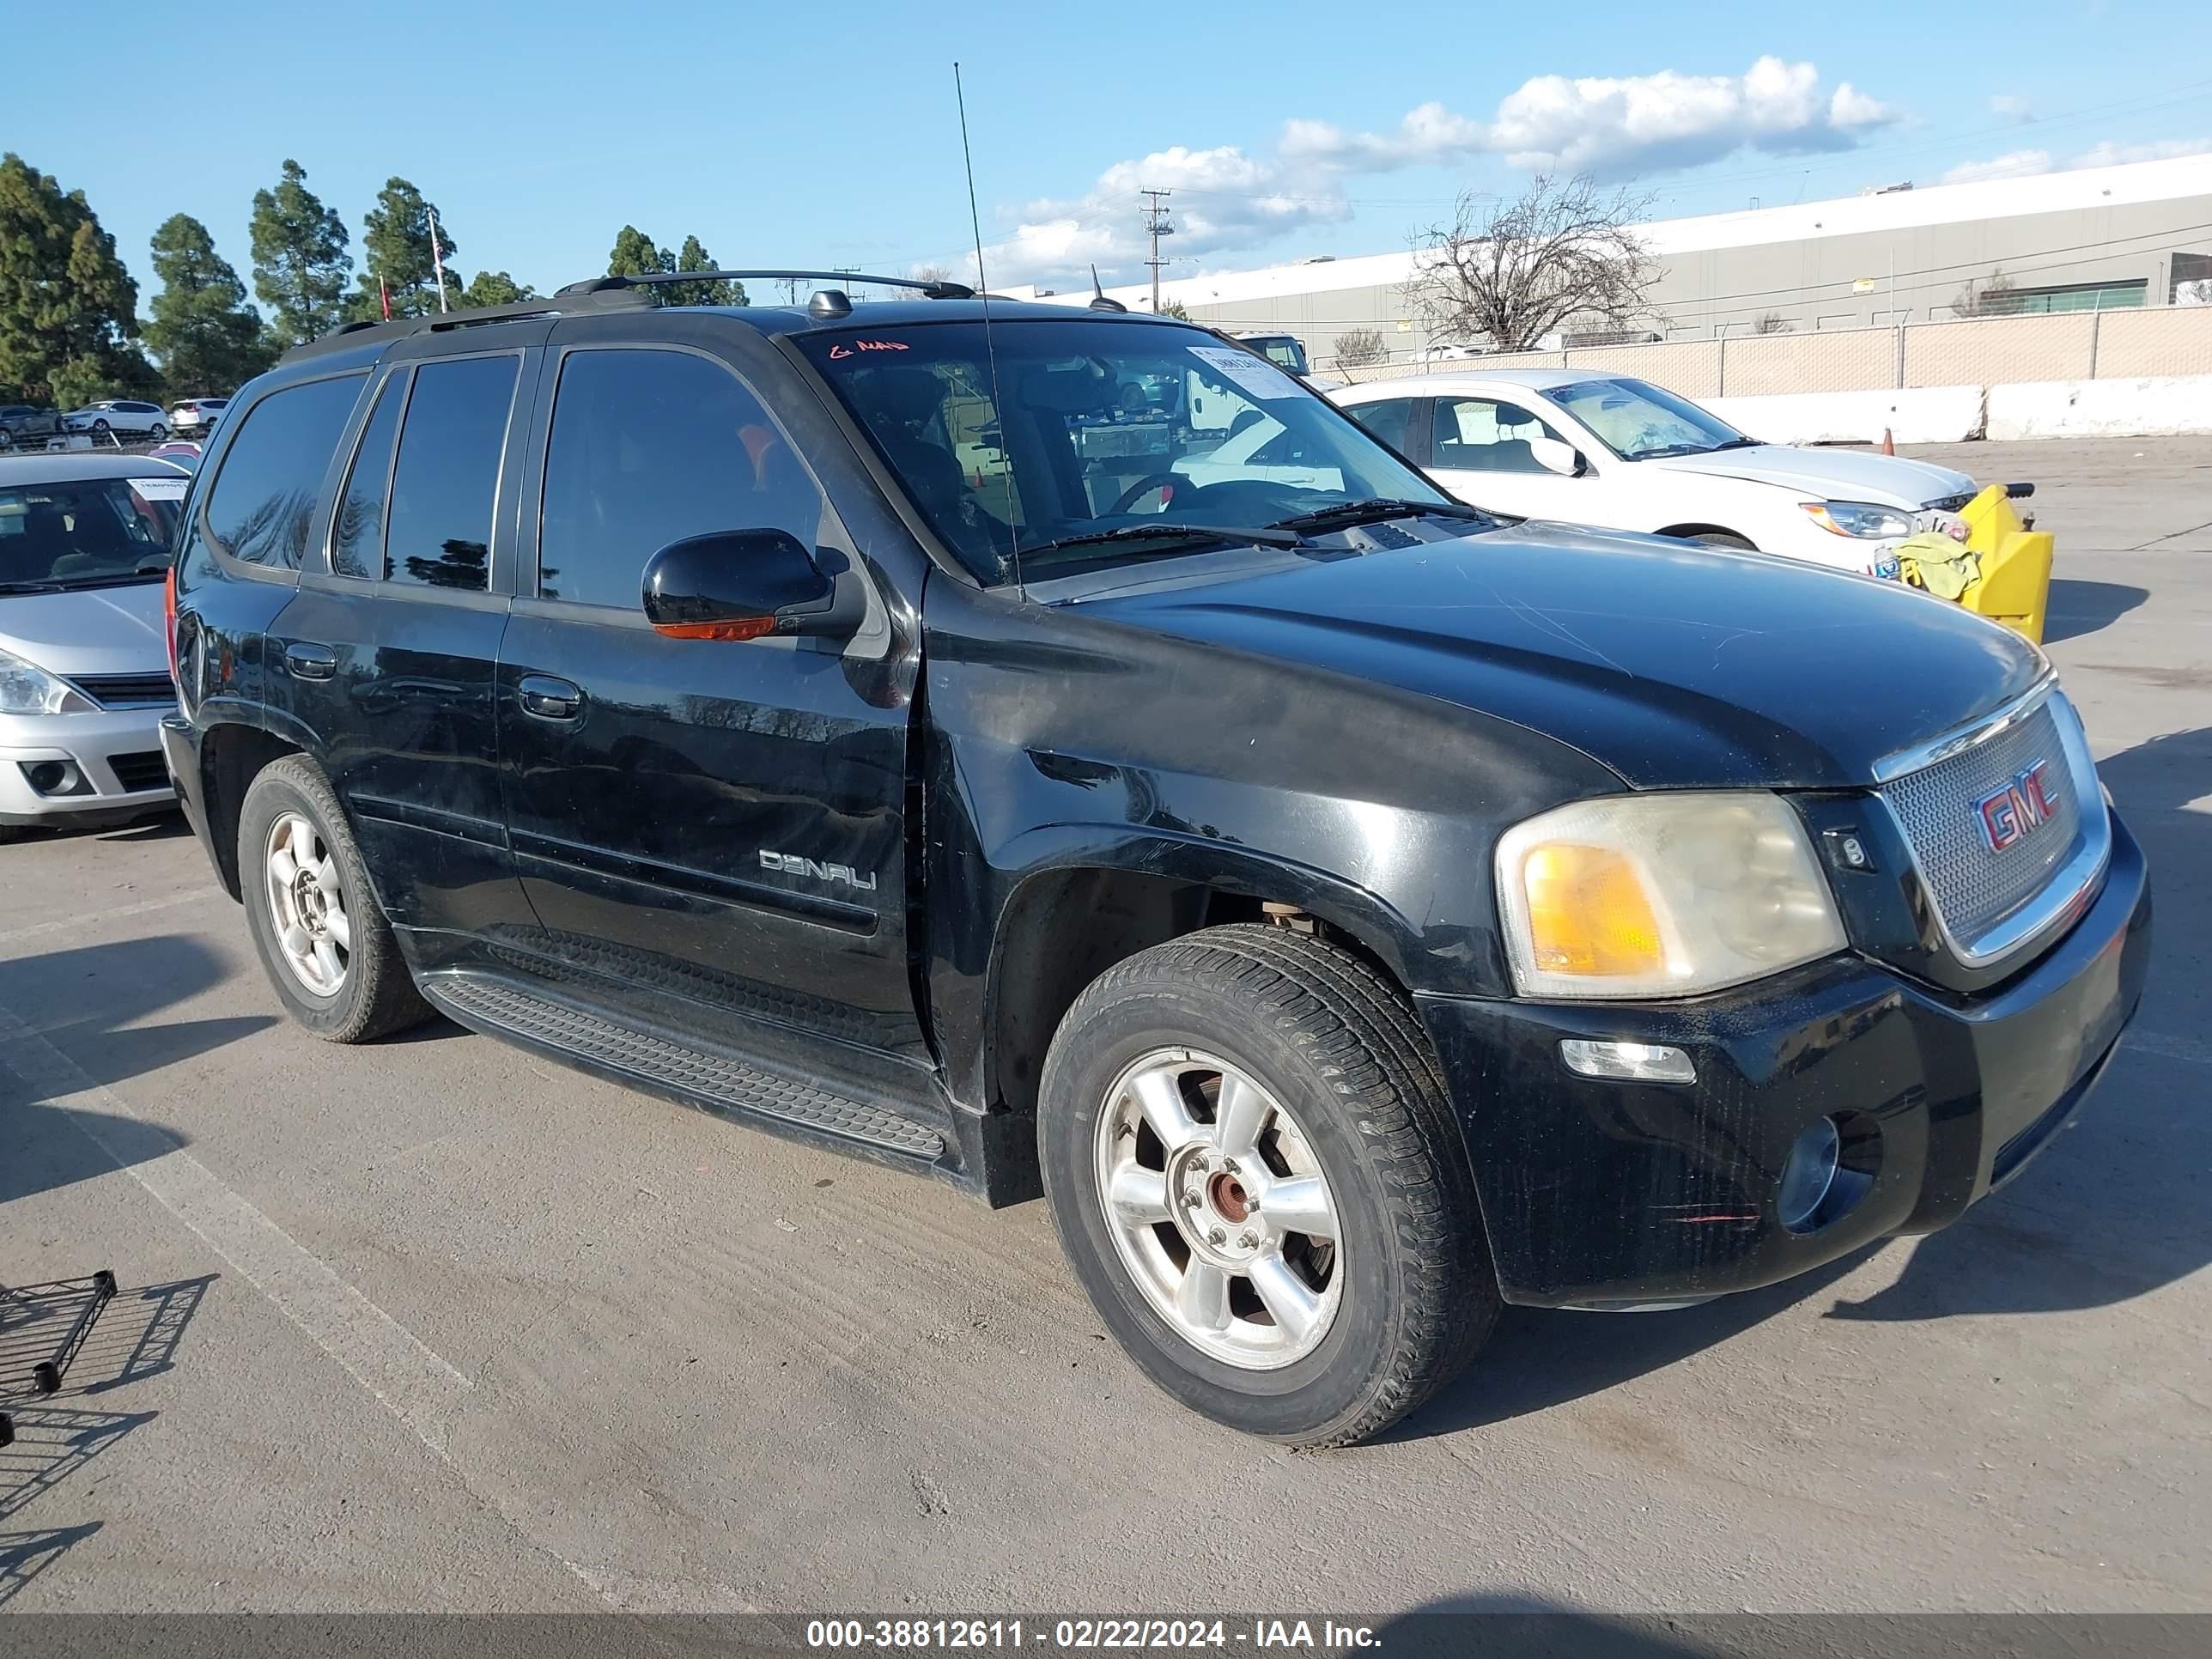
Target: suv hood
{"points": [[1675, 666], [1834, 475], [96, 630]]}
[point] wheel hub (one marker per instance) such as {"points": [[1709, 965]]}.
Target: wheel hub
{"points": [[1214, 1211]]}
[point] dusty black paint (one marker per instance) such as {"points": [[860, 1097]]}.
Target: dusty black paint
{"points": [[1039, 782]]}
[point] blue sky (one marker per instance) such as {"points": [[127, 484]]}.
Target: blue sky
{"points": [[828, 134]]}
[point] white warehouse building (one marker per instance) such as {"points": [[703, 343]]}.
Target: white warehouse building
{"points": [[2093, 239]]}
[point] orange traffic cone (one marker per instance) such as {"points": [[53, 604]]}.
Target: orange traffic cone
{"points": [[1888, 447]]}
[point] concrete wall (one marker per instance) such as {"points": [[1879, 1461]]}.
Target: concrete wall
{"points": [[2165, 344], [2153, 407]]}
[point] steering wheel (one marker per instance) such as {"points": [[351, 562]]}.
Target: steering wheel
{"points": [[1143, 487]]}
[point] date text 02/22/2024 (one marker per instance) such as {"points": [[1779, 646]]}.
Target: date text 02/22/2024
{"points": [[1085, 1635]]}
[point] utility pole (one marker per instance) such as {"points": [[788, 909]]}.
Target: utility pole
{"points": [[1157, 225]]}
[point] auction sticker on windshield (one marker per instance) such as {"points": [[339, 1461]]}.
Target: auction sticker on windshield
{"points": [[1256, 374], [160, 490]]}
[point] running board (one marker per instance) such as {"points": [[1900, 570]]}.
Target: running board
{"points": [[666, 1065]]}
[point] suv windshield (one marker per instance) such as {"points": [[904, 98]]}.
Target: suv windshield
{"points": [[1637, 420], [1034, 446], [92, 533]]}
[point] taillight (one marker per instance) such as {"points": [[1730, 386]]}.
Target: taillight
{"points": [[169, 624]]}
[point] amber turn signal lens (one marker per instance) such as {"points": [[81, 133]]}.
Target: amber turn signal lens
{"points": [[752, 627], [1589, 914]]}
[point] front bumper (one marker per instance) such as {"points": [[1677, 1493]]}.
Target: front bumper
{"points": [[117, 753], [1600, 1193]]}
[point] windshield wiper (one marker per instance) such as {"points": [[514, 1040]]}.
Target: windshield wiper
{"points": [[1694, 449], [1271, 536], [32, 587], [1346, 514]]}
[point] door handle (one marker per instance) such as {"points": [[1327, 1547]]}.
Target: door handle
{"points": [[548, 698], [309, 661]]}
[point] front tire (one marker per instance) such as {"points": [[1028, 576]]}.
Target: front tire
{"points": [[1252, 1164], [323, 939]]}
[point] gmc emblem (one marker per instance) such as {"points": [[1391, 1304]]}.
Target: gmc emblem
{"points": [[2018, 809]]}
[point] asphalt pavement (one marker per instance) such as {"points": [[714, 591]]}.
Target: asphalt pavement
{"points": [[435, 1325]]}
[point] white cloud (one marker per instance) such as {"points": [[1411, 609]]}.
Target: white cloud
{"points": [[2013, 164], [2026, 163], [2109, 154], [1228, 200], [2011, 106]]}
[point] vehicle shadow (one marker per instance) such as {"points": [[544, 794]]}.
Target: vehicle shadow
{"points": [[1538, 1628], [76, 1018], [2083, 607], [1560, 1357]]}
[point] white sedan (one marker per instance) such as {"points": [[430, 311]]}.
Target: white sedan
{"points": [[1586, 447]]}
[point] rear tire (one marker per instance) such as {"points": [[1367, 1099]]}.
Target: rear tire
{"points": [[1309, 1163], [156, 433], [1723, 538], [322, 937]]}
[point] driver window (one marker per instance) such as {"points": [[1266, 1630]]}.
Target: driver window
{"points": [[649, 447], [1483, 435]]}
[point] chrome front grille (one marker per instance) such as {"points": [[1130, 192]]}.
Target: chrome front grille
{"points": [[1992, 899]]}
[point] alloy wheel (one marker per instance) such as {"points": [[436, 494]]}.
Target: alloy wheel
{"points": [[1219, 1209], [306, 904]]}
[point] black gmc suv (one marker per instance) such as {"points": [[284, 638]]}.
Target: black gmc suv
{"points": [[905, 727]]}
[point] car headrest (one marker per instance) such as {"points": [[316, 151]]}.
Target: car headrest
{"points": [[1066, 391]]}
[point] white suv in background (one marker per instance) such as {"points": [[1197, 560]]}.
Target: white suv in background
{"points": [[195, 418], [1590, 448]]}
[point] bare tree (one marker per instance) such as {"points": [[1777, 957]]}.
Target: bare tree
{"points": [[1995, 295], [1359, 347], [1516, 270], [934, 274], [1772, 323]]}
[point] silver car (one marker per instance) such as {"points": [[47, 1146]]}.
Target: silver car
{"points": [[84, 672]]}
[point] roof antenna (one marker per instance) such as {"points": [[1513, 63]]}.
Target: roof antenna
{"points": [[1099, 300], [983, 294]]}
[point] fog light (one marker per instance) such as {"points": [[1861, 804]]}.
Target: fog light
{"points": [[1807, 1175], [1628, 1062], [54, 777]]}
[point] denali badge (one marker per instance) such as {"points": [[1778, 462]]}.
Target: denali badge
{"points": [[791, 863], [2021, 807]]}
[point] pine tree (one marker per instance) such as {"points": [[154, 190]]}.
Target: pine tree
{"points": [[695, 257], [68, 308], [395, 240], [495, 288], [635, 255], [300, 259], [209, 340]]}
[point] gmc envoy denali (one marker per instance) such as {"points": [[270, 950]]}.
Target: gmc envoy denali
{"points": [[884, 725]]}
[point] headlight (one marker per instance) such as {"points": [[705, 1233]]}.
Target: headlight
{"points": [[1861, 518], [1661, 896], [25, 688]]}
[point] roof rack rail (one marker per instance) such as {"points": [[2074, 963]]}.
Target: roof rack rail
{"points": [[400, 328], [934, 290]]}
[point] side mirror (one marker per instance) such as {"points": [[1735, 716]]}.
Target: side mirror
{"points": [[746, 585], [1557, 455]]}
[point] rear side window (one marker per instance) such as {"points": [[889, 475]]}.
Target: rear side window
{"points": [[357, 548], [439, 520], [1387, 420], [649, 447], [264, 497]]}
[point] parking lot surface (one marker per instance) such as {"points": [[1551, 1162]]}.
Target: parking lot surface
{"points": [[435, 1325]]}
